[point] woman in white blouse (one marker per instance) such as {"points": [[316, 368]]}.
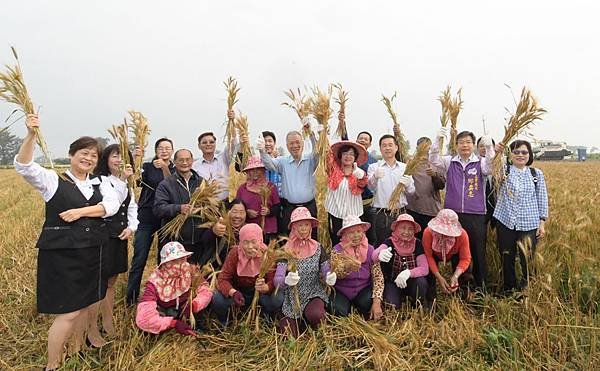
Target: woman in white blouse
{"points": [[70, 274], [346, 182]]}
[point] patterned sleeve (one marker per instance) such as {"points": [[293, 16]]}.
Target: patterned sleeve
{"points": [[377, 275]]}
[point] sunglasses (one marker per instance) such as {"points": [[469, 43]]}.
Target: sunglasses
{"points": [[517, 152]]}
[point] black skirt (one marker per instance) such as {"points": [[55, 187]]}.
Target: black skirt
{"points": [[116, 260], [70, 279]]}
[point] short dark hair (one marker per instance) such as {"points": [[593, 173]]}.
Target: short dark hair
{"points": [[346, 148], [158, 142], [366, 132], [237, 201], [518, 143], [479, 140], [205, 135], [464, 134], [85, 143], [102, 167], [423, 139], [268, 133], [180, 150], [390, 136]]}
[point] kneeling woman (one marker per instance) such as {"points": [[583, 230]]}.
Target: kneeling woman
{"points": [[164, 304], [239, 277], [403, 263], [70, 272], [362, 287], [304, 295], [444, 239]]}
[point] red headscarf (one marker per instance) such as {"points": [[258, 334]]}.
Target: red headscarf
{"points": [[336, 175], [359, 252], [172, 280], [254, 185], [247, 266], [300, 248]]}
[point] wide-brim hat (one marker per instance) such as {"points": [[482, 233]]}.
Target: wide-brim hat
{"points": [[406, 218], [446, 223], [254, 162], [302, 213], [351, 221], [363, 155], [172, 251]]}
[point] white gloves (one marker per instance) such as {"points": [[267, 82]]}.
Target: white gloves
{"points": [[404, 179], [330, 278], [444, 132], [486, 140], [292, 279], [358, 172], [260, 143], [385, 255], [379, 173], [401, 279]]}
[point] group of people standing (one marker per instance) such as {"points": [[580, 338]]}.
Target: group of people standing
{"points": [[394, 257]]}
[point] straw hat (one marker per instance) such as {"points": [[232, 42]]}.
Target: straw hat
{"points": [[363, 156], [172, 251], [351, 221], [446, 223], [406, 218], [302, 213], [254, 162]]}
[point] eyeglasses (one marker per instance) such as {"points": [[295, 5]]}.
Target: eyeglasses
{"points": [[517, 152], [208, 142]]}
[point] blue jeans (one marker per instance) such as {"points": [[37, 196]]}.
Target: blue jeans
{"points": [[141, 248], [269, 303]]}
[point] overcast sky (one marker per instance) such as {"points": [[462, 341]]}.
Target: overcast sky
{"points": [[86, 63]]}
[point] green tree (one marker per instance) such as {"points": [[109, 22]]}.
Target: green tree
{"points": [[9, 146]]}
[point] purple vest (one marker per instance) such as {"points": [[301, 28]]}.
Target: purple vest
{"points": [[465, 188], [352, 284]]}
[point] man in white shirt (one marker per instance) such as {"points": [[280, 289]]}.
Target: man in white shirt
{"points": [[384, 176]]}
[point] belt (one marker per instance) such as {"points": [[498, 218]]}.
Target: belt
{"points": [[287, 203], [401, 210]]}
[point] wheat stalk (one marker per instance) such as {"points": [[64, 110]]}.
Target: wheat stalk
{"points": [[322, 112], [140, 131], [420, 158], [527, 112], [341, 99], [265, 194], [302, 105], [400, 138], [241, 123], [119, 133], [13, 90], [445, 100], [231, 86], [454, 108], [343, 264]]}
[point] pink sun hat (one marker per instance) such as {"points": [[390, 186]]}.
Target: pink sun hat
{"points": [[351, 221], [302, 213], [446, 223], [406, 218], [254, 162], [173, 251]]}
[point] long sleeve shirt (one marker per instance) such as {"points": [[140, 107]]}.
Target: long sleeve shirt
{"points": [[297, 178], [217, 168], [228, 278], [522, 203], [383, 188], [132, 208], [46, 182], [461, 247]]}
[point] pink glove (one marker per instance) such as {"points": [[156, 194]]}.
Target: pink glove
{"points": [[183, 328], [238, 299]]}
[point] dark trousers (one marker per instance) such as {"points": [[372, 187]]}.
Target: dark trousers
{"points": [[269, 304], [340, 305], [141, 248], [286, 213], [335, 224], [476, 228], [366, 217], [416, 290], [202, 253], [381, 224], [421, 220], [508, 246]]}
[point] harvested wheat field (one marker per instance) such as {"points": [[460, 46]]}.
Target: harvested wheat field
{"points": [[556, 325]]}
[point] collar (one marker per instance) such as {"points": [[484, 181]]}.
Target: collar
{"points": [[472, 158], [384, 163], [291, 159], [84, 183]]}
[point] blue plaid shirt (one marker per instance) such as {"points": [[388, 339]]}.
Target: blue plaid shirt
{"points": [[522, 203], [275, 178]]}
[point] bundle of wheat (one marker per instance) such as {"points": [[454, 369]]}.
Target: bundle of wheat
{"points": [[302, 105], [343, 264], [265, 193], [322, 112], [527, 112], [140, 132], [204, 204], [420, 158], [341, 99], [400, 138], [13, 90], [453, 111], [232, 89], [241, 123], [119, 133], [445, 100]]}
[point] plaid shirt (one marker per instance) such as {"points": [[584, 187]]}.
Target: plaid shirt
{"points": [[522, 203]]}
